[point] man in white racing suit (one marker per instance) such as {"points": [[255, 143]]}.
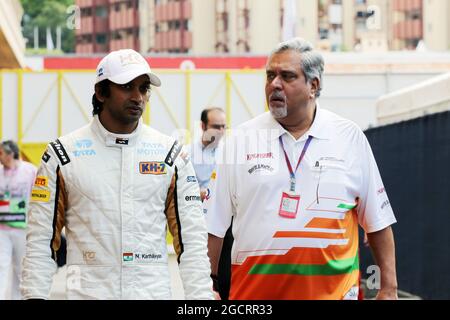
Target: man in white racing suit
{"points": [[115, 185]]}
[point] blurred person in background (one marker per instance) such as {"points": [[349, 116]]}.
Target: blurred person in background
{"points": [[203, 154], [16, 181]]}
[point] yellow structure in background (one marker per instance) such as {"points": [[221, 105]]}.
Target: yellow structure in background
{"points": [[33, 151]]}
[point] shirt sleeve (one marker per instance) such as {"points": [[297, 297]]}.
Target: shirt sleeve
{"points": [[187, 226], [374, 209], [46, 220], [32, 171], [218, 206]]}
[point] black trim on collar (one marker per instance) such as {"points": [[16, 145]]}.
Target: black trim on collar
{"points": [[122, 141]]}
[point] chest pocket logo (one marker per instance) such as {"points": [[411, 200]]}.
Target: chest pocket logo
{"points": [[327, 171], [155, 168]]}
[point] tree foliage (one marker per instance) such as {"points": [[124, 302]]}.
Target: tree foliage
{"points": [[47, 13]]}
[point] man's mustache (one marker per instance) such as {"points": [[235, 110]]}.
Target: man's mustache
{"points": [[277, 95]]}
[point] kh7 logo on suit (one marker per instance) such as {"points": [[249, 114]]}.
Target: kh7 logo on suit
{"points": [[155, 168]]}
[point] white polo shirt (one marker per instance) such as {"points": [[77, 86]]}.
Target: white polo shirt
{"points": [[204, 161], [339, 186]]}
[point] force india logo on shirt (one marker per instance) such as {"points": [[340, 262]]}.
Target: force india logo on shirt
{"points": [[155, 168]]}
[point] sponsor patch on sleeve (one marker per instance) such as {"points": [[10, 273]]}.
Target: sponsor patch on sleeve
{"points": [[40, 195], [41, 181], [191, 179], [45, 157], [60, 152], [173, 153]]}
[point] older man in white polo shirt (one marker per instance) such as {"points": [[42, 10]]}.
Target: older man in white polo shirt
{"points": [[298, 181]]}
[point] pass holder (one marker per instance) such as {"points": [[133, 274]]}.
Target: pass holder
{"points": [[290, 199], [289, 204]]}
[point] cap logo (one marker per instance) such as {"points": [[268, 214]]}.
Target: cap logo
{"points": [[100, 72], [131, 58]]}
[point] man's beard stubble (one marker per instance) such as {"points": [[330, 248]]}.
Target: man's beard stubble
{"points": [[278, 112]]}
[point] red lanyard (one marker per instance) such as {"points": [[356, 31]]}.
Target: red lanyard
{"points": [[292, 172]]}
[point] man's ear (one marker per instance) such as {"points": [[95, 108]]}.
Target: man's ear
{"points": [[315, 85], [98, 94], [203, 126]]}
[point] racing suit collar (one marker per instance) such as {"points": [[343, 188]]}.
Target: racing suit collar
{"points": [[114, 139]]}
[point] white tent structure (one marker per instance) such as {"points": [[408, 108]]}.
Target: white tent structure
{"points": [[430, 96]]}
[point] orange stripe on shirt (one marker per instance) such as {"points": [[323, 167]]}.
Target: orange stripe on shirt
{"points": [[281, 286], [308, 234]]}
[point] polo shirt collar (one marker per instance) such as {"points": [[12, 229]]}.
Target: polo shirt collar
{"points": [[319, 128]]}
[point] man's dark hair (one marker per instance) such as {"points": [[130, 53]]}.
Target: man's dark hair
{"points": [[105, 91], [9, 147], [204, 115]]}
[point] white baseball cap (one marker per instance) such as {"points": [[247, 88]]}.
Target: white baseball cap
{"points": [[122, 66]]}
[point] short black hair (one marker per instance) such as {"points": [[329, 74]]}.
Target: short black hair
{"points": [[9, 147], [105, 91], [204, 115]]}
